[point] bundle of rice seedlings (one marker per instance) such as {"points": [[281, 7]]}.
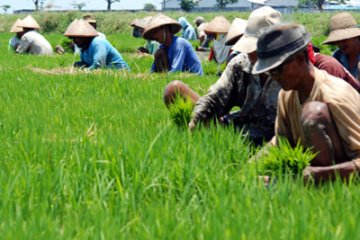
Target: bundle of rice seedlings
{"points": [[285, 160], [180, 111]]}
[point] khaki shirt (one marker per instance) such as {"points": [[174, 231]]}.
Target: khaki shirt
{"points": [[34, 43], [343, 103]]}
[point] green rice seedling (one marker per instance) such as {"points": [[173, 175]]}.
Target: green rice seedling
{"points": [[180, 111], [284, 160]]}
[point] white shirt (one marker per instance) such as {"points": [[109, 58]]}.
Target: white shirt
{"points": [[33, 42]]}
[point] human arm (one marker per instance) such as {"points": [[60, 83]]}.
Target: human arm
{"points": [[228, 91], [23, 45], [321, 174]]}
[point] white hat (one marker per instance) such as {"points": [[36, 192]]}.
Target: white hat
{"points": [[258, 21], [29, 22], [80, 28]]}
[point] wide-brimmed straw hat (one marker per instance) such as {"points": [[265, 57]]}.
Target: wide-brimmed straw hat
{"points": [[342, 26], [161, 20], [258, 21], [29, 22], [218, 25], [277, 43], [80, 28], [15, 27], [236, 29]]}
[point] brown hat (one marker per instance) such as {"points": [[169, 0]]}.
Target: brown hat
{"points": [[218, 25], [236, 29], [90, 18], [29, 22], [342, 26], [277, 44], [15, 27], [80, 28], [161, 20]]}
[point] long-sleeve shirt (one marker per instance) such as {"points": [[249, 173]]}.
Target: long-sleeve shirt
{"points": [[34, 43], [238, 87], [102, 54], [343, 103], [182, 57]]}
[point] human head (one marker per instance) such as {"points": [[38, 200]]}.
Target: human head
{"points": [[183, 22], [219, 25], [91, 19], [258, 21], [278, 44], [199, 20], [81, 32], [344, 33], [16, 29], [161, 23], [29, 24], [342, 26]]}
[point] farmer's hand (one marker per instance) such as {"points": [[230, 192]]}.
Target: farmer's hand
{"points": [[313, 174], [59, 49], [192, 125]]}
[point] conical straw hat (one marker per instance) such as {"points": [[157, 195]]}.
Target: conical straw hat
{"points": [[143, 23], [342, 26], [15, 27], [236, 29], [161, 20], [29, 22], [80, 28], [218, 25], [134, 22]]}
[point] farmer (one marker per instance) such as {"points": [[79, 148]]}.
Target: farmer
{"points": [[345, 34], [315, 109], [96, 52], [200, 26], [175, 54], [15, 40], [256, 95], [31, 41], [150, 46], [217, 30], [188, 32]]}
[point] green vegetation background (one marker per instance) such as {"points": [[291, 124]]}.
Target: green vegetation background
{"points": [[95, 156]]}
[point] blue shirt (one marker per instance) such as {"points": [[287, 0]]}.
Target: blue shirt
{"points": [[101, 53], [182, 57], [342, 58], [188, 30], [189, 33]]}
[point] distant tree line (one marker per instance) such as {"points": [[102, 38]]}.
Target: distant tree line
{"points": [[185, 5]]}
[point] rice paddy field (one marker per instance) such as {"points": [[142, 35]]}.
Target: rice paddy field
{"points": [[96, 156]]}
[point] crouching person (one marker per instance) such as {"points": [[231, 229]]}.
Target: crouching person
{"points": [[317, 110], [175, 54], [96, 52]]}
